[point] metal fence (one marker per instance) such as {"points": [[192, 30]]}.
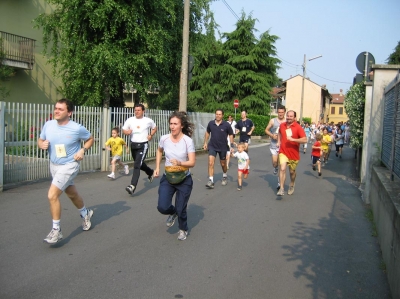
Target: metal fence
{"points": [[20, 124], [391, 128], [18, 48]]}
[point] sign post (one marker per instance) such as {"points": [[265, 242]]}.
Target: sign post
{"points": [[236, 105]]}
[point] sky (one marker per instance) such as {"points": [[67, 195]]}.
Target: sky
{"points": [[339, 30]]}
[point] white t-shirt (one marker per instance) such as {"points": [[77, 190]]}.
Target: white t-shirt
{"points": [[176, 150], [140, 128], [242, 157]]}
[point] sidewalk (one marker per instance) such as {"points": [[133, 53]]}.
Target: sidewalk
{"points": [[316, 243]]}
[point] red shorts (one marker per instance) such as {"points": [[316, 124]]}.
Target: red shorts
{"points": [[245, 171]]}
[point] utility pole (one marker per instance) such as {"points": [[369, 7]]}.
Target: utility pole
{"points": [[185, 57], [302, 84], [302, 89]]}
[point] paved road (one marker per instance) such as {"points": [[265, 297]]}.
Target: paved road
{"points": [[316, 243]]}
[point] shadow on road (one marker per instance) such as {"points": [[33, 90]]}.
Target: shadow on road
{"points": [[102, 213]]}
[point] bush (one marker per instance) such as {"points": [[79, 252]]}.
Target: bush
{"points": [[259, 121], [307, 120], [354, 105]]}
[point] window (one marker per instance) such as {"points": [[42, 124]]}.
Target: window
{"points": [[340, 110], [332, 110]]}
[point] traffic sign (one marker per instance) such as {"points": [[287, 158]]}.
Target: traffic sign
{"points": [[236, 103]]}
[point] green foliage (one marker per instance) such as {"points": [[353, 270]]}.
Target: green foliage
{"points": [[260, 122], [98, 46], [5, 74], [394, 58], [243, 67], [307, 120], [354, 105]]}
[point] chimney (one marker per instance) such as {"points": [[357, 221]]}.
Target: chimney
{"points": [[341, 92]]}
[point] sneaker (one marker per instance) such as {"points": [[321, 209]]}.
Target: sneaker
{"points": [[281, 192], [171, 220], [182, 235], [54, 236], [239, 188], [111, 176], [86, 224], [130, 189], [291, 190], [151, 177], [336, 154], [278, 186], [224, 181], [275, 170], [126, 169], [210, 184], [340, 156], [313, 168], [319, 174]]}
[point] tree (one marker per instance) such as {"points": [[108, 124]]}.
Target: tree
{"points": [[242, 67], [354, 105], [394, 58], [97, 47], [5, 74]]}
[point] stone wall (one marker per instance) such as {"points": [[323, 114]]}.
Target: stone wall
{"points": [[385, 203]]}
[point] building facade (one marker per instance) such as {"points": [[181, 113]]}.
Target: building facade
{"points": [[315, 100], [32, 80], [336, 112]]}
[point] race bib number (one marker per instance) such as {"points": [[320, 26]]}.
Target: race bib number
{"points": [[244, 129], [60, 151], [288, 132]]}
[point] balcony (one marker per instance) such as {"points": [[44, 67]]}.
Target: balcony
{"points": [[18, 51]]}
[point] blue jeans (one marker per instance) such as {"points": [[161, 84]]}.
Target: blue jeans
{"points": [[165, 193]]}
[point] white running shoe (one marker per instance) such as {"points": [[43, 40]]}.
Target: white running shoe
{"points": [[111, 176], [171, 220], [54, 236], [86, 224], [182, 235]]}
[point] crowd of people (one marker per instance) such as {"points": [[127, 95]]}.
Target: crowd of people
{"points": [[68, 141]]}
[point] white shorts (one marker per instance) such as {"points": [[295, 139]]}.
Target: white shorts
{"points": [[63, 175], [116, 157], [274, 151]]}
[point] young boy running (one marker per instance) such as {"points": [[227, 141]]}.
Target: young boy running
{"points": [[114, 144], [243, 163], [316, 153]]}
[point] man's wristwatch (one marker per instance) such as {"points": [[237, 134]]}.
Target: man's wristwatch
{"points": [[85, 150]]}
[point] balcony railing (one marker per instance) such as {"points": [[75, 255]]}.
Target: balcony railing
{"points": [[18, 50]]}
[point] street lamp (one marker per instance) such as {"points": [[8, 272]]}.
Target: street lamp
{"points": [[302, 85]]}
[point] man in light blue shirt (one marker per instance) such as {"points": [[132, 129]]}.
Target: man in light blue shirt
{"points": [[62, 137]]}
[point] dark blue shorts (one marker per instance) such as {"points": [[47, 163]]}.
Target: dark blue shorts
{"points": [[314, 159], [222, 154]]}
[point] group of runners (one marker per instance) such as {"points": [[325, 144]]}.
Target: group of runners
{"points": [[63, 137]]}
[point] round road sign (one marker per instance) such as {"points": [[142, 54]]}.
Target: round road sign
{"points": [[236, 103]]}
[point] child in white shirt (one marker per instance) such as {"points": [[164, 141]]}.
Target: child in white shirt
{"points": [[243, 163]]}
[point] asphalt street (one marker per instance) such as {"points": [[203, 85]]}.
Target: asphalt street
{"points": [[316, 243]]}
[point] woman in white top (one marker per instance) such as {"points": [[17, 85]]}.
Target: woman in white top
{"points": [[179, 156], [339, 143]]}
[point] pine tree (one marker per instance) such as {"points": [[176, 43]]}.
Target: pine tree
{"points": [[394, 58], [242, 67]]}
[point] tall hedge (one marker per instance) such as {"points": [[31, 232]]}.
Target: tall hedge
{"points": [[260, 122]]}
